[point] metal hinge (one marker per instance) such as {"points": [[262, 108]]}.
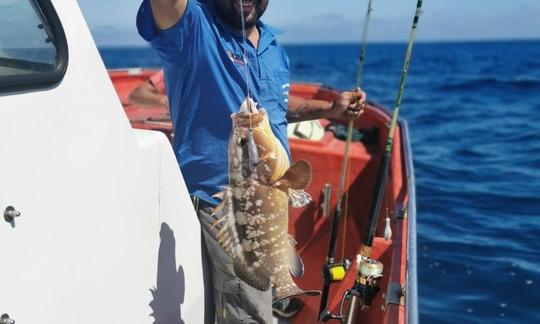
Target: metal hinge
{"points": [[402, 211], [394, 295], [327, 196]]}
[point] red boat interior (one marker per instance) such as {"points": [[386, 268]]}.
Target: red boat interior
{"points": [[311, 225]]}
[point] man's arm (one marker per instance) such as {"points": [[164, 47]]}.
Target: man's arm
{"points": [[348, 105], [168, 12]]}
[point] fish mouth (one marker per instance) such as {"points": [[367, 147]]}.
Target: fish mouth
{"points": [[245, 120]]}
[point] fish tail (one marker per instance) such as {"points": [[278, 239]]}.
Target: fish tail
{"points": [[291, 291]]}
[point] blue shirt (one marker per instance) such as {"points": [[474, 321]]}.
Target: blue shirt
{"points": [[205, 73]]}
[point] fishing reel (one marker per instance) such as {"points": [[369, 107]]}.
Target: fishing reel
{"points": [[332, 273], [361, 294], [366, 285]]}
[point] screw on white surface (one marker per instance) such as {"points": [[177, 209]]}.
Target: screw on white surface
{"points": [[10, 213]]}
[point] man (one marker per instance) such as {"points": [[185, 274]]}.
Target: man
{"points": [[208, 71], [151, 93]]}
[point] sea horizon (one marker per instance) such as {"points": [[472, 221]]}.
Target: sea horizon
{"points": [[370, 43]]}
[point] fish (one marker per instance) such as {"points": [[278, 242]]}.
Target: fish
{"points": [[251, 222]]}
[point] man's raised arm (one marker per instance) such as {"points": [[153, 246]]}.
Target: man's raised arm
{"points": [[168, 12]]}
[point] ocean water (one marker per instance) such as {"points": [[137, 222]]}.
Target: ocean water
{"points": [[474, 115]]}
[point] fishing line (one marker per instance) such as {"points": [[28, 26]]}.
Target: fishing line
{"points": [[246, 61], [252, 148]]}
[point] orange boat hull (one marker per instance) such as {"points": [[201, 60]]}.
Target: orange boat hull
{"points": [[309, 225]]}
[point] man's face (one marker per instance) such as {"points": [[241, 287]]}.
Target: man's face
{"points": [[231, 11]]}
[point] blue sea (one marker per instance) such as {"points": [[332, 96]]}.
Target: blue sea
{"points": [[474, 115]]}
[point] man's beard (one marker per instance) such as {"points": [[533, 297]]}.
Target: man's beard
{"points": [[234, 19]]}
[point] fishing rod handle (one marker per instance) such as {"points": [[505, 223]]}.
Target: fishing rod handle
{"points": [[380, 186], [353, 306], [333, 235]]}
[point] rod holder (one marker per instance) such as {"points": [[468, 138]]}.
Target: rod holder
{"points": [[327, 196]]}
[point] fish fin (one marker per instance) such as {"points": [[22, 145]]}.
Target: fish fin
{"points": [[291, 291], [221, 194], [218, 222], [296, 266], [297, 177], [299, 198], [227, 237], [224, 225], [253, 278]]}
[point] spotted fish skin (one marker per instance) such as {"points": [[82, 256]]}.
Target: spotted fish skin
{"points": [[252, 219]]}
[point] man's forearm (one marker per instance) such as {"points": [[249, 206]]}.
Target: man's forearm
{"points": [[348, 105], [302, 109], [147, 95]]}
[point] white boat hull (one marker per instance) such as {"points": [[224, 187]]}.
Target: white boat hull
{"points": [[107, 231]]}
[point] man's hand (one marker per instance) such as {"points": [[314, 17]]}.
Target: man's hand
{"points": [[348, 105], [168, 12]]}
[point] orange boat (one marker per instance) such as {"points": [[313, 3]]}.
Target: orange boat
{"points": [[311, 226]]}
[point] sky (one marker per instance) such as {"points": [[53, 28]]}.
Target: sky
{"points": [[325, 21]]}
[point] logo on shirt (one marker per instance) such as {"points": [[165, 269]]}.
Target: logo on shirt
{"points": [[286, 87], [236, 58]]}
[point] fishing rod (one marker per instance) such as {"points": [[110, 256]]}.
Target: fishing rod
{"points": [[382, 174], [368, 270], [332, 271]]}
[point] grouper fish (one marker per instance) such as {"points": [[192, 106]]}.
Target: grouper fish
{"points": [[252, 220]]}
